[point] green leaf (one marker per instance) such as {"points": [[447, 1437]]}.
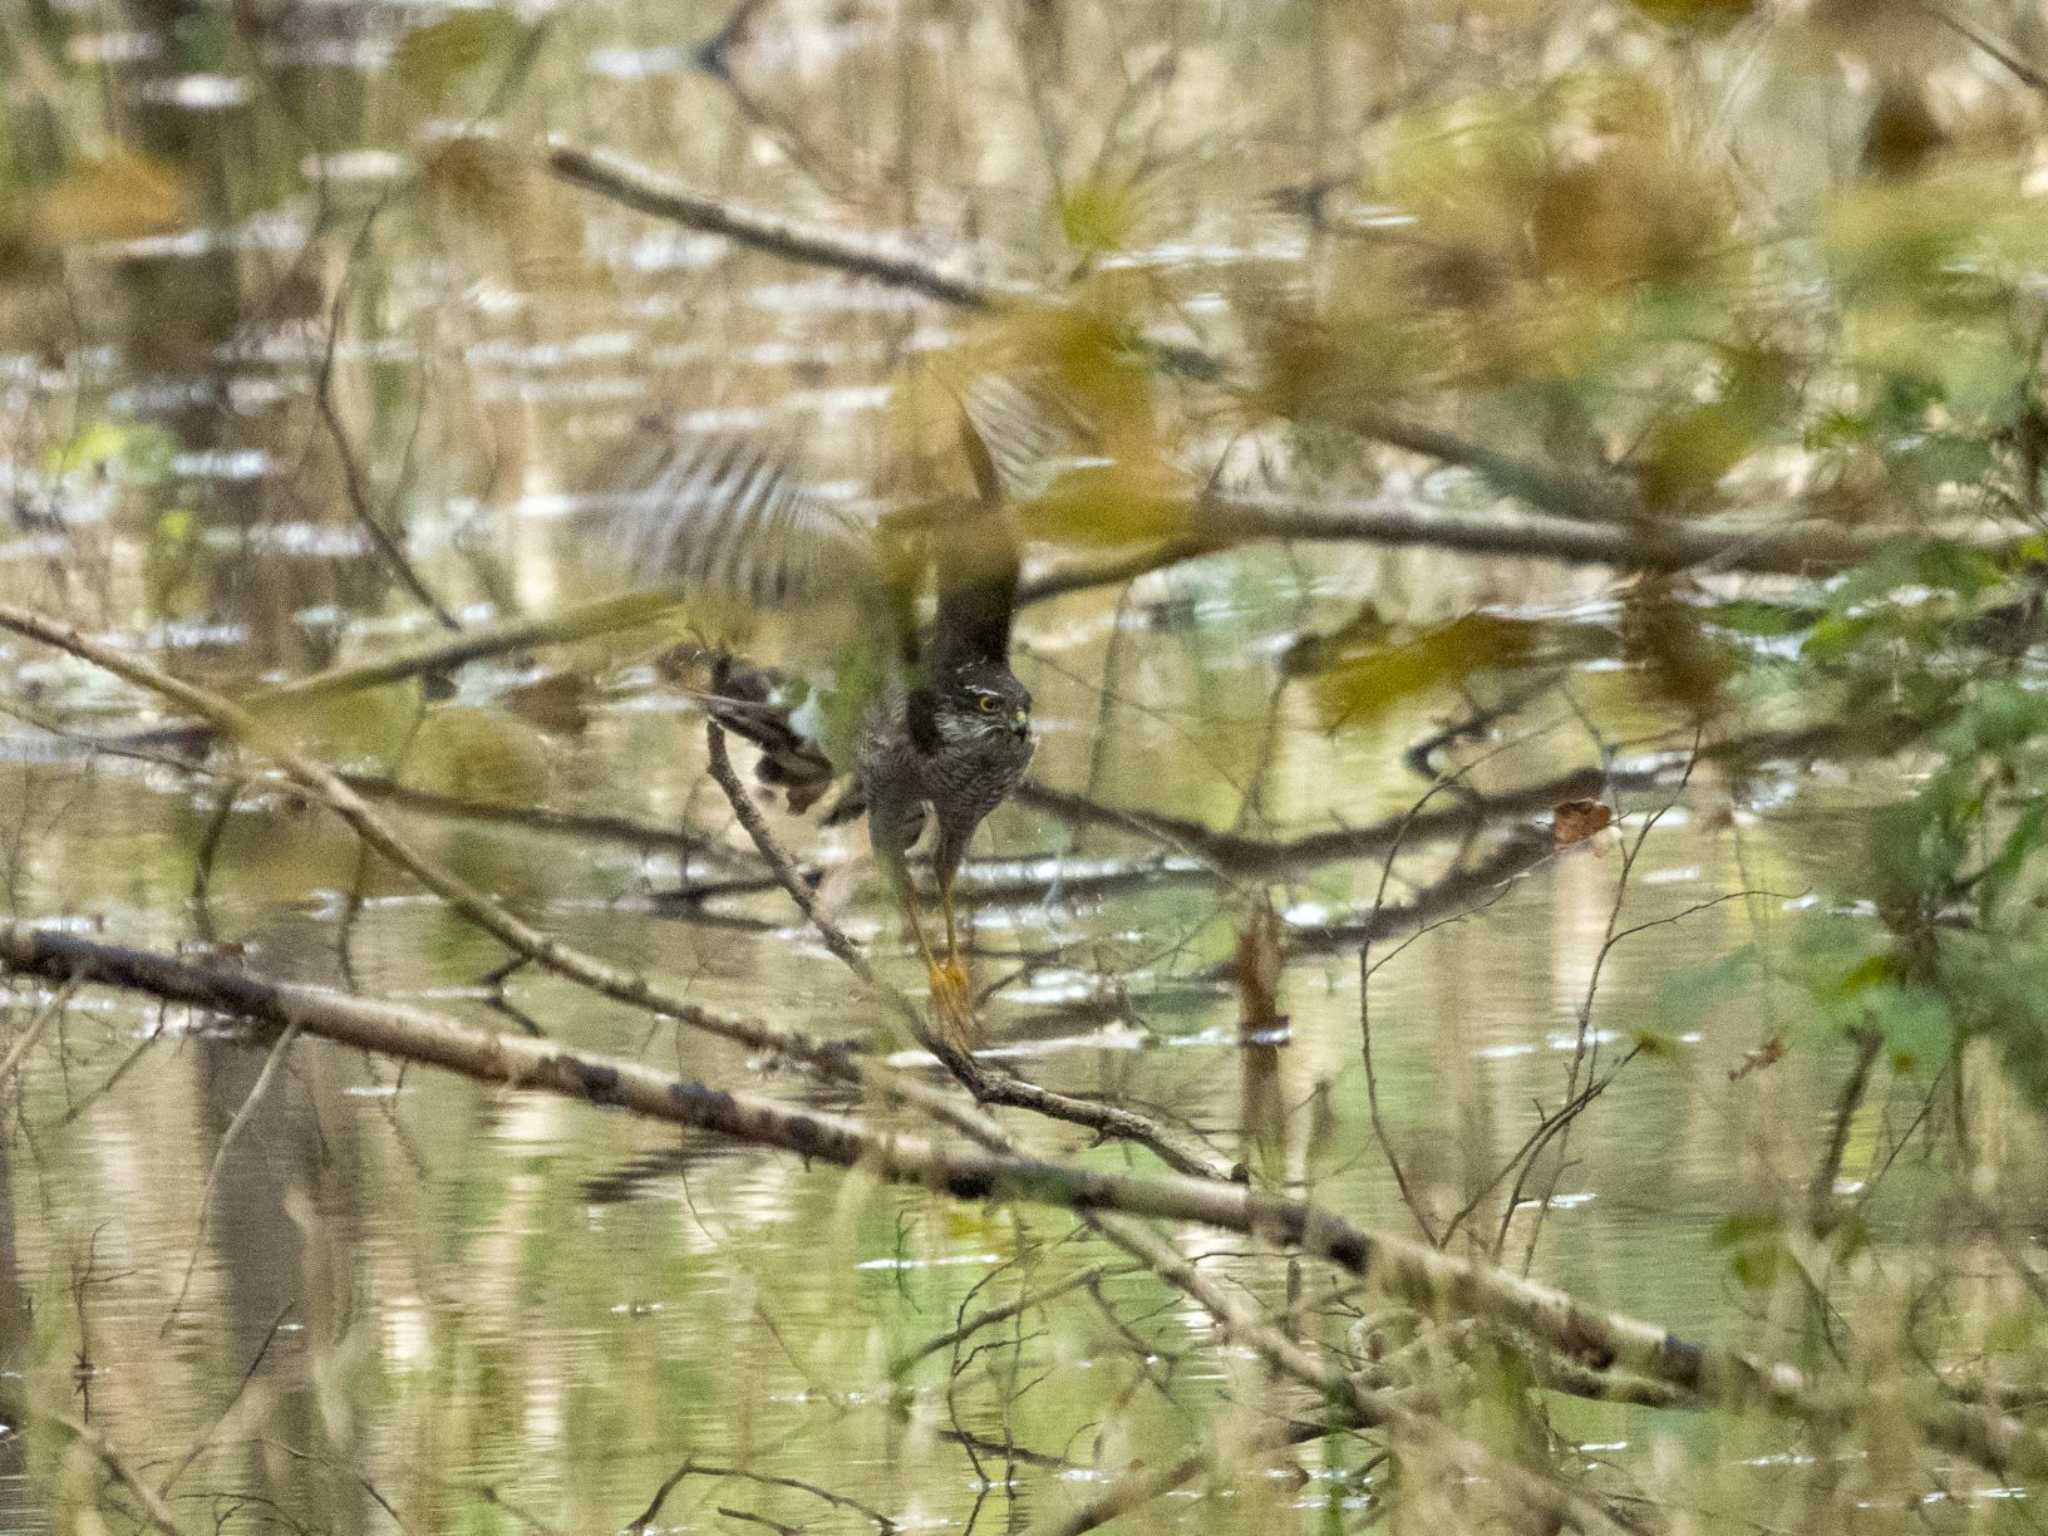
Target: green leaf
{"points": [[2003, 871], [432, 58], [1916, 1024], [1754, 1245]]}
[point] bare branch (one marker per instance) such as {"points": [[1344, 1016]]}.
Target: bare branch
{"points": [[1400, 1267], [154, 1509], [615, 177]]}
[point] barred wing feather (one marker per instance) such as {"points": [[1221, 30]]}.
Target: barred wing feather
{"points": [[1031, 430], [730, 515]]}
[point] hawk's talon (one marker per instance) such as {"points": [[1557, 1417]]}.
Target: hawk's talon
{"points": [[950, 987], [952, 998]]}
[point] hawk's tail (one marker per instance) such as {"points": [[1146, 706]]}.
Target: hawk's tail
{"points": [[743, 699]]}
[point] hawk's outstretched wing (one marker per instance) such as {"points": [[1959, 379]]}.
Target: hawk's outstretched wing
{"points": [[730, 514], [734, 516]]}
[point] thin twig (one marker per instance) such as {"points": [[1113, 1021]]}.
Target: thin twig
{"points": [[205, 1436], [988, 1086], [154, 1509], [271, 1063], [26, 1041]]}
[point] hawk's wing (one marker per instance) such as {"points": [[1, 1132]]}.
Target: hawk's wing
{"points": [[1018, 434], [732, 515]]}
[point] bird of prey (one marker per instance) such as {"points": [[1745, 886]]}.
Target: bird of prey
{"points": [[929, 725]]}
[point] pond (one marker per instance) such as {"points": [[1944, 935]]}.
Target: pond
{"points": [[319, 1289]]}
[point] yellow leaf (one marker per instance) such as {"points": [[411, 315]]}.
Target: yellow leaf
{"points": [[1687, 452], [1697, 15], [1362, 686], [1098, 215], [479, 754], [478, 178], [1114, 503], [433, 57], [122, 197]]}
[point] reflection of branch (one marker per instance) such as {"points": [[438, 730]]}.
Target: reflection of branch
{"points": [[1461, 891], [271, 1063], [863, 255], [1401, 1267], [1820, 1194], [1263, 858], [205, 1437], [2022, 70], [1259, 858]]}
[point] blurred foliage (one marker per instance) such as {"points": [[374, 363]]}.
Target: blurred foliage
{"points": [[1659, 267]]}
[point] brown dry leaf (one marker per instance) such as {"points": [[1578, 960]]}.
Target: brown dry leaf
{"points": [[479, 179], [558, 702], [1682, 662], [1360, 687], [1769, 1054], [1574, 821], [1636, 211], [120, 197], [1257, 972]]}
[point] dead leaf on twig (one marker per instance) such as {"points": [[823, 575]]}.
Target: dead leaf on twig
{"points": [[1574, 821], [1769, 1054]]}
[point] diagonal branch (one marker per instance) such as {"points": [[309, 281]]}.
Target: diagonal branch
{"points": [[988, 1086], [1400, 1267], [822, 245]]}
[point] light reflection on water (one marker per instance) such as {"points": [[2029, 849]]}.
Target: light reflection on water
{"points": [[489, 1286]]}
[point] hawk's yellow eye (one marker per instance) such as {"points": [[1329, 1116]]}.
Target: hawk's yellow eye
{"points": [[985, 704]]}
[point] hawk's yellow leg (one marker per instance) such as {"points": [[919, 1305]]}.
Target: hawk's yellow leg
{"points": [[952, 999]]}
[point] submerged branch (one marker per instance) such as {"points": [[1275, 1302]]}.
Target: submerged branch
{"points": [[1249, 858]]}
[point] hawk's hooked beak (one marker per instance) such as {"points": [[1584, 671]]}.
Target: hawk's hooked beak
{"points": [[1020, 723]]}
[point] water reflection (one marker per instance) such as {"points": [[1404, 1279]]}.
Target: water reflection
{"points": [[403, 1288]]}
